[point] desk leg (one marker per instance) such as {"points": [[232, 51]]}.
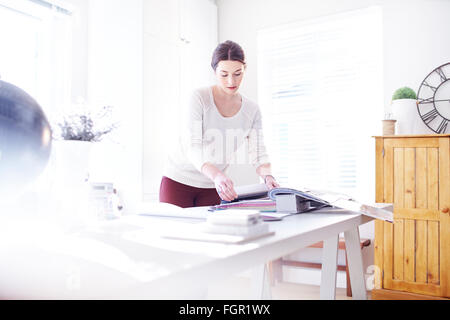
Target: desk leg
{"points": [[329, 268], [355, 264], [260, 283]]}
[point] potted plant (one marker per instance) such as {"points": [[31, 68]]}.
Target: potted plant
{"points": [[404, 109], [74, 134]]}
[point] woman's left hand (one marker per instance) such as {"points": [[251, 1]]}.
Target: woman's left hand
{"points": [[270, 182]]}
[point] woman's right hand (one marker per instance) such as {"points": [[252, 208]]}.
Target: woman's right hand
{"points": [[225, 187]]}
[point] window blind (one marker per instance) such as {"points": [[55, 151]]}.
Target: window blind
{"points": [[320, 91]]}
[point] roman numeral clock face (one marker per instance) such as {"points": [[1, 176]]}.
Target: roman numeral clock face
{"points": [[433, 100]]}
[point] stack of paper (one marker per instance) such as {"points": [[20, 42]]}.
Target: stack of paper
{"points": [[228, 226], [236, 222]]}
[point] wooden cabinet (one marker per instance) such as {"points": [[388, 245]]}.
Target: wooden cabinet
{"points": [[413, 253]]}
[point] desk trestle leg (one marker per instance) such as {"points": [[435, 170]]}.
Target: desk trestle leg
{"points": [[329, 268], [260, 283], [355, 264]]}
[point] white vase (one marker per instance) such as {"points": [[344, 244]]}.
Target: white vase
{"points": [[407, 116], [72, 160], [71, 188]]}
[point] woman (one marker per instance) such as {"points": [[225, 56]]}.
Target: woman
{"points": [[217, 124]]}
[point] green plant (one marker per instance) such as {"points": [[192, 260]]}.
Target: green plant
{"points": [[404, 93]]}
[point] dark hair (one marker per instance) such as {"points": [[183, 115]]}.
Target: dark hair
{"points": [[225, 51]]}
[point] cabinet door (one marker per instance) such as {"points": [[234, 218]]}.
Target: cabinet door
{"points": [[413, 252], [198, 22], [161, 19], [161, 101], [198, 31]]}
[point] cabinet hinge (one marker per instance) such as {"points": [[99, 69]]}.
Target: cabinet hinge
{"points": [[382, 152]]}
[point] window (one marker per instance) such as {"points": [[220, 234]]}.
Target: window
{"points": [[35, 41], [320, 91]]}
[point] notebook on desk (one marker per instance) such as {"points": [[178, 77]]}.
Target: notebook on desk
{"points": [[198, 235], [160, 209], [221, 231]]}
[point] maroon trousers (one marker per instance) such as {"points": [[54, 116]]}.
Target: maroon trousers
{"points": [[186, 196]]}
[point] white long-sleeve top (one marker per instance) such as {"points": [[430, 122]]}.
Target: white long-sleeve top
{"points": [[207, 136]]}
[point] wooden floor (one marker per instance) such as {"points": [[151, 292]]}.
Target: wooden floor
{"points": [[239, 288], [293, 291]]}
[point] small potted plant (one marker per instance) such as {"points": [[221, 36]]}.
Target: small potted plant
{"points": [[404, 110]]}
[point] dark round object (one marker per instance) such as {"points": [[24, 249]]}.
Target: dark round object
{"points": [[25, 139]]}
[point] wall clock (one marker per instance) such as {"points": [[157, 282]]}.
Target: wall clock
{"points": [[433, 99]]}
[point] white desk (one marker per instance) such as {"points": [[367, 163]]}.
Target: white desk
{"points": [[127, 259]]}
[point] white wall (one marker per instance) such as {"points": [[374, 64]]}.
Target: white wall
{"points": [[414, 33], [415, 42]]}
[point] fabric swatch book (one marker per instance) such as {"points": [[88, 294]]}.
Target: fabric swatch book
{"points": [[381, 211], [258, 197], [263, 205], [307, 200], [250, 197]]}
